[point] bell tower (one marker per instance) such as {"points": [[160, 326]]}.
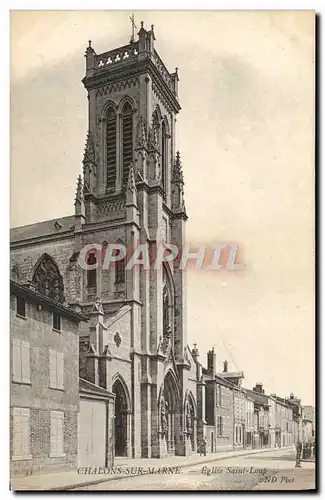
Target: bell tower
{"points": [[133, 187], [133, 102]]}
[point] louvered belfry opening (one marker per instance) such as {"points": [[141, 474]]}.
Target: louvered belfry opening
{"points": [[127, 141], [111, 148]]}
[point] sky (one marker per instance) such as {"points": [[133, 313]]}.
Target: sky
{"points": [[246, 139]]}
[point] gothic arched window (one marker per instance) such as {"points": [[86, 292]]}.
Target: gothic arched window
{"points": [[127, 141], [166, 322], [111, 148], [48, 280], [163, 155], [91, 273], [119, 266], [168, 304], [120, 271]]}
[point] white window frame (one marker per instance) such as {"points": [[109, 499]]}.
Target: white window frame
{"points": [[24, 415], [20, 352], [56, 429], [57, 377]]}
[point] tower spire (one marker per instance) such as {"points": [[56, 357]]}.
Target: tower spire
{"points": [[79, 191], [178, 173], [79, 210], [89, 153]]}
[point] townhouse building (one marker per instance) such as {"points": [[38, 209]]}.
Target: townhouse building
{"points": [[49, 404], [239, 396], [249, 422]]}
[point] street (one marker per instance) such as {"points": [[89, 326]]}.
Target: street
{"points": [[273, 470]]}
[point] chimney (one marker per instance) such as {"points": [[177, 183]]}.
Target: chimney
{"points": [[195, 352], [225, 366], [212, 362], [292, 396], [258, 388]]}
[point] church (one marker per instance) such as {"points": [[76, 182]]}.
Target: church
{"points": [[132, 331]]}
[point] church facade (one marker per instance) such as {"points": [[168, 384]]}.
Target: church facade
{"points": [[130, 193]]}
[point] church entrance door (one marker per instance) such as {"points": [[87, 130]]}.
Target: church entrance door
{"points": [[121, 414]]}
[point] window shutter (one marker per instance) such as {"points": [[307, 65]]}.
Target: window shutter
{"points": [[60, 370], [25, 362], [53, 436], [57, 432], [16, 360], [60, 422], [21, 432], [25, 432], [53, 371], [17, 433]]}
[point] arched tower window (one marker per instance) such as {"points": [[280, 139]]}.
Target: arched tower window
{"points": [[168, 304], [111, 148], [91, 273], [127, 141], [48, 280], [120, 270]]}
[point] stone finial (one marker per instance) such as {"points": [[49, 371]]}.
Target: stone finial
{"points": [[79, 191], [131, 190], [89, 153], [131, 181], [141, 134], [177, 177], [89, 51]]}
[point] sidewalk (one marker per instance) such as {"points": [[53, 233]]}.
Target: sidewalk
{"points": [[71, 479]]}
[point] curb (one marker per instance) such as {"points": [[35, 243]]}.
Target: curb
{"points": [[106, 479]]}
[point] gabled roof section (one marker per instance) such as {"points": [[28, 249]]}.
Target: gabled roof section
{"points": [[87, 387], [258, 397], [42, 229], [33, 296]]}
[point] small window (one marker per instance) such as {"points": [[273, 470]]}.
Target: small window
{"points": [[120, 271], [91, 273], [57, 322], [21, 307]]}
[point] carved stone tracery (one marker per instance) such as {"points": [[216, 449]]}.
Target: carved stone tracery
{"points": [[48, 280]]}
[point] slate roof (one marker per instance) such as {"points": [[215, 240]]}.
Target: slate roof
{"points": [[44, 228], [257, 396]]}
